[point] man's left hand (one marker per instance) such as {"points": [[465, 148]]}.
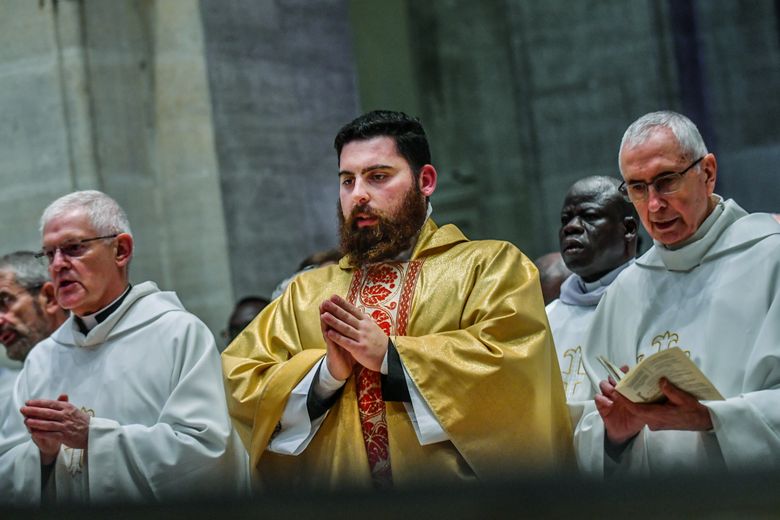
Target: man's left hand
{"points": [[57, 421], [681, 411], [355, 332]]}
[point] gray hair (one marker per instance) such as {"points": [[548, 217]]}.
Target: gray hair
{"points": [[104, 213], [29, 272], [684, 131]]}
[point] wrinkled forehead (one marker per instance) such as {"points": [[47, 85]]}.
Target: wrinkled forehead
{"points": [[591, 192], [71, 225], [658, 145]]}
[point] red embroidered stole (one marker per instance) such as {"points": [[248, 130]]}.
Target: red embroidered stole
{"points": [[384, 292]]}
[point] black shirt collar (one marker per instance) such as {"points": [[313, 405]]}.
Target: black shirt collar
{"points": [[103, 314]]}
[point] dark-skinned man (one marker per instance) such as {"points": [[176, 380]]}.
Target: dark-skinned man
{"points": [[598, 237]]}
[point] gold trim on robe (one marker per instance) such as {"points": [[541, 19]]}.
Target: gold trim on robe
{"points": [[477, 345]]}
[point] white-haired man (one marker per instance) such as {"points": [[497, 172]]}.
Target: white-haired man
{"points": [[125, 400], [29, 312], [709, 285]]}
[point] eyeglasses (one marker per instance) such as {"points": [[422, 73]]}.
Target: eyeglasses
{"points": [[70, 250], [636, 191]]}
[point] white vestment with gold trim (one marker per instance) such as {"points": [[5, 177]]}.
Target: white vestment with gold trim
{"points": [[718, 299]]}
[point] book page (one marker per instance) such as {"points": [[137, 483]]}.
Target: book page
{"points": [[612, 369], [641, 384]]}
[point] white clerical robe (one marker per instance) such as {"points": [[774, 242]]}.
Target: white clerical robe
{"points": [[569, 317], [718, 299], [7, 381], [150, 378]]}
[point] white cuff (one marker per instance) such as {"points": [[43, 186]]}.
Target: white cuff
{"points": [[326, 385], [297, 430], [426, 426]]}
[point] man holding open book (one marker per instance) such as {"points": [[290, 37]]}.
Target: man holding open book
{"points": [[710, 285]]}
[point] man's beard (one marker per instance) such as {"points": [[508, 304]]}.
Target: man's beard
{"points": [[27, 337], [391, 235]]}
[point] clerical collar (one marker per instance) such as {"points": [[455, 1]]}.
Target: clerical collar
{"points": [[703, 228], [88, 322], [693, 253], [605, 280], [576, 291]]}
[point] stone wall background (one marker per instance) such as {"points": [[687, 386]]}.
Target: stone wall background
{"points": [[212, 121]]}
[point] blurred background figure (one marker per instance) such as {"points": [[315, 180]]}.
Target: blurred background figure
{"points": [[243, 313], [552, 273], [28, 311], [318, 259]]}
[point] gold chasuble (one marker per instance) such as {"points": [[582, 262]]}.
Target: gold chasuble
{"points": [[477, 346]]}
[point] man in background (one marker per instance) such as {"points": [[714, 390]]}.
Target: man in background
{"points": [[245, 310], [552, 273], [28, 311], [597, 237]]}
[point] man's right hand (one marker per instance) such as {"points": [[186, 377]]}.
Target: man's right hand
{"points": [[48, 447], [340, 362], [620, 423]]}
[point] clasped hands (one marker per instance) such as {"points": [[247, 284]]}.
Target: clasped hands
{"points": [[351, 337], [54, 423], [624, 419]]}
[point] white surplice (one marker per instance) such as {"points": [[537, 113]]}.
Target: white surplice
{"points": [[150, 378], [569, 317], [7, 381], [718, 299]]}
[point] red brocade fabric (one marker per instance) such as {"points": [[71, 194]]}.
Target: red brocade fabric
{"points": [[384, 292], [372, 419]]}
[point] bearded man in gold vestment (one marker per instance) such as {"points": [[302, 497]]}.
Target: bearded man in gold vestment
{"points": [[420, 357]]}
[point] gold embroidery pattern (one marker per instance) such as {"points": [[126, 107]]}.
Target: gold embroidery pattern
{"points": [[664, 341], [574, 374]]}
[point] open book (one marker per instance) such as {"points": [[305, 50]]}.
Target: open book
{"points": [[641, 383]]}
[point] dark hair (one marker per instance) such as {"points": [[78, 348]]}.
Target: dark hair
{"points": [[320, 257], [253, 300], [406, 131]]}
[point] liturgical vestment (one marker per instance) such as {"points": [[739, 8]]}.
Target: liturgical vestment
{"points": [[149, 377], [477, 347], [570, 316], [718, 299]]}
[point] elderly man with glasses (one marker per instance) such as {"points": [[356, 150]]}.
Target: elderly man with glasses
{"points": [[124, 402], [710, 285]]}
